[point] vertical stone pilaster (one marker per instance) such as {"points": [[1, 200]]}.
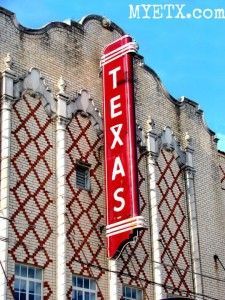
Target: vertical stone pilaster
{"points": [[113, 283], [189, 180], [152, 155], [6, 104], [61, 194]]}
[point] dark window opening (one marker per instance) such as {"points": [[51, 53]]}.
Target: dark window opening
{"points": [[83, 176]]}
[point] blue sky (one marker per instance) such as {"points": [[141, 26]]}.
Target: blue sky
{"points": [[188, 54]]}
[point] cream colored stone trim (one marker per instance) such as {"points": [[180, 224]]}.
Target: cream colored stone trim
{"points": [[151, 174], [6, 105], [113, 283], [61, 206], [185, 161], [189, 180]]}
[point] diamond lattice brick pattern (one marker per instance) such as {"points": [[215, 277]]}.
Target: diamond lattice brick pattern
{"points": [[222, 176], [85, 209], [31, 187], [134, 261], [173, 231]]}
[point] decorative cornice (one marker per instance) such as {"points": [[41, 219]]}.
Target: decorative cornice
{"points": [[62, 106], [179, 103], [102, 21], [67, 25], [6, 85], [167, 141], [61, 85], [152, 139], [106, 23], [158, 81], [183, 102], [8, 62], [222, 153], [141, 138], [84, 103], [33, 84], [189, 143], [64, 25]]}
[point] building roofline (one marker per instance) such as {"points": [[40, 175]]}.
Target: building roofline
{"points": [[180, 102], [67, 24], [107, 24], [221, 152]]}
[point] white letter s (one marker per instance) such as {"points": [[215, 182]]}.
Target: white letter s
{"points": [[120, 199]]}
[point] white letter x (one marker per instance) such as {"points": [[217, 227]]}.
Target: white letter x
{"points": [[116, 135]]}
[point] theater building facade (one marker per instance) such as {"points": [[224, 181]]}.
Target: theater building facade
{"points": [[110, 187]]}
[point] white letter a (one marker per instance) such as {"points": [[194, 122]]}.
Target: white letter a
{"points": [[117, 168]]}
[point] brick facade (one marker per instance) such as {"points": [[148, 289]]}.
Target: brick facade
{"points": [[51, 121]]}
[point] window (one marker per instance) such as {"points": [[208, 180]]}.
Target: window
{"points": [[132, 293], [83, 176], [84, 288], [28, 283]]}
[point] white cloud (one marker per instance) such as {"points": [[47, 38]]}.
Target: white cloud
{"points": [[221, 143]]}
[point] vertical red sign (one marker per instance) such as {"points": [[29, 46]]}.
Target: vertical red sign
{"points": [[121, 174]]}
